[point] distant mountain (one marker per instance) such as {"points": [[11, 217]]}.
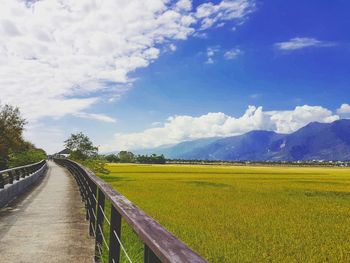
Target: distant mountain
{"points": [[249, 146], [173, 151], [315, 141]]}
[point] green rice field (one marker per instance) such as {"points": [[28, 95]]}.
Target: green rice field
{"points": [[245, 213]]}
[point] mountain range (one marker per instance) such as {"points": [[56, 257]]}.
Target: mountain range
{"points": [[315, 141]]}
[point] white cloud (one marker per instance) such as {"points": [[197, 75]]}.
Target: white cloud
{"points": [[184, 5], [212, 14], [211, 51], [232, 54], [94, 116], [182, 128], [201, 35], [57, 55], [210, 60], [228, 55], [302, 42], [172, 47], [289, 121], [344, 110]]}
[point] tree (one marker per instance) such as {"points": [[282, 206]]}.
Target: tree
{"points": [[153, 158], [112, 158], [126, 157], [80, 146], [11, 130]]}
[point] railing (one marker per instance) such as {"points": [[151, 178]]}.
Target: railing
{"points": [[159, 244], [10, 175]]}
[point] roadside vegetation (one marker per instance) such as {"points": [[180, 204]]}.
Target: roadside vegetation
{"points": [[243, 213], [129, 157], [82, 150], [14, 149]]}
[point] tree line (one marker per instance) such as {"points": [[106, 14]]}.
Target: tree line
{"points": [[81, 149], [14, 149], [129, 157]]}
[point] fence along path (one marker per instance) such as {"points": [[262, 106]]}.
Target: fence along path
{"points": [[159, 244], [47, 224]]}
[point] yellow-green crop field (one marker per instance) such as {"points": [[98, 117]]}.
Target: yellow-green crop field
{"points": [[246, 213]]}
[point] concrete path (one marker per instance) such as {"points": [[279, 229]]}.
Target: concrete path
{"points": [[47, 224]]}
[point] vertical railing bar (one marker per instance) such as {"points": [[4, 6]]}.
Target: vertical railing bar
{"points": [[78, 179], [18, 174], [10, 177], [86, 195], [115, 226], [23, 172], [92, 207], [99, 221], [86, 198], [149, 256], [81, 179], [2, 183]]}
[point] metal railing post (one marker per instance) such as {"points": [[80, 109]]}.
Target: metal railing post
{"points": [[92, 207], [10, 173], [93, 204], [2, 183], [99, 224], [149, 256], [85, 193], [80, 184], [115, 229], [23, 172], [86, 200], [18, 174]]}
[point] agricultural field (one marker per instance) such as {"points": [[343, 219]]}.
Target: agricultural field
{"points": [[246, 213]]}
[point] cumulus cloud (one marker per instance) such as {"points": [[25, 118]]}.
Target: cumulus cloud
{"points": [[232, 54], [344, 110], [184, 5], [302, 42], [289, 121], [181, 128], [211, 14], [56, 54]]}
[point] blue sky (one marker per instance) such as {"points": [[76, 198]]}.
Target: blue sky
{"points": [[273, 65]]}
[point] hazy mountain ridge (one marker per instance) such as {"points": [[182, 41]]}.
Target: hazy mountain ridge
{"points": [[315, 141]]}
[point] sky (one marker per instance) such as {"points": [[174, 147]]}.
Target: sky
{"points": [[135, 74]]}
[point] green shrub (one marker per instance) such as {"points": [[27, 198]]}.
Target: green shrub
{"points": [[26, 157]]}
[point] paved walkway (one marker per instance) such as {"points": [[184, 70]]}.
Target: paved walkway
{"points": [[47, 224]]}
